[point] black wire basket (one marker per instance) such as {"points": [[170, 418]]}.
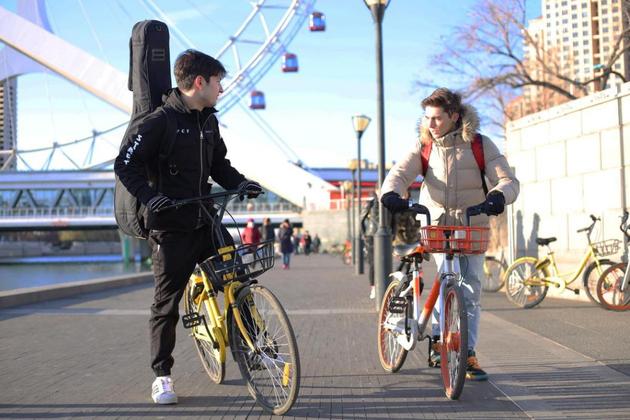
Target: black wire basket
{"points": [[238, 263], [606, 247]]}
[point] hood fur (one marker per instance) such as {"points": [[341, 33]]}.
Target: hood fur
{"points": [[469, 126]]}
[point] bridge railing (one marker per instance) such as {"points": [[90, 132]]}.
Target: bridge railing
{"points": [[46, 212], [250, 207]]}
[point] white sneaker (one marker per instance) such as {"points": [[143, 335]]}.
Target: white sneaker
{"points": [[163, 391], [372, 293]]}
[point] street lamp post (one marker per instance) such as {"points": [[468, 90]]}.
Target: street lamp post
{"points": [[383, 236], [353, 239], [360, 124]]}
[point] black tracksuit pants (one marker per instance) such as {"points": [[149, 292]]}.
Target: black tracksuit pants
{"points": [[175, 255]]}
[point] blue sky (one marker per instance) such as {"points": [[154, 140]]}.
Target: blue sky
{"points": [[310, 110]]}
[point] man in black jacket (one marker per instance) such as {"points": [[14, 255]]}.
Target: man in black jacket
{"points": [[182, 237]]}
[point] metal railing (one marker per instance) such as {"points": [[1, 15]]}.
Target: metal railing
{"points": [[71, 212]]}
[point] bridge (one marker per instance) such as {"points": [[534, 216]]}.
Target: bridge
{"points": [[81, 200], [31, 46]]}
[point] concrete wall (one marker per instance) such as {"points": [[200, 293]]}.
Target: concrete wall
{"points": [[571, 161], [330, 225]]}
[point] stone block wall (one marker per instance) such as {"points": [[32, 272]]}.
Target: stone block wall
{"points": [[571, 161]]}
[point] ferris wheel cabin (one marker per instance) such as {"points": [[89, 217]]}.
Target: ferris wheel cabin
{"points": [[257, 100], [289, 63], [317, 22]]}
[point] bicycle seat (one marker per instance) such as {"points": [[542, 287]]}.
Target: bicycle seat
{"points": [[545, 241], [405, 250]]}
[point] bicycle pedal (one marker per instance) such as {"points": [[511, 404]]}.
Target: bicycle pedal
{"points": [[397, 305], [192, 319]]}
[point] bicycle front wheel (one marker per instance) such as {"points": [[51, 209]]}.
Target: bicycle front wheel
{"points": [[591, 276], [609, 289], [524, 284], [493, 275], [209, 355], [454, 344], [272, 370], [391, 354]]}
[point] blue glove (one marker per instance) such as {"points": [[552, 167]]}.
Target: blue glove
{"points": [[394, 202], [158, 203], [495, 203], [251, 189]]}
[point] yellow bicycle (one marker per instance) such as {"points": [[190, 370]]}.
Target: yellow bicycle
{"points": [[252, 322], [528, 279]]}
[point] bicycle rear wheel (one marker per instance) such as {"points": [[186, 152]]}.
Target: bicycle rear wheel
{"points": [[209, 356], [524, 283], [454, 343], [391, 354], [591, 276], [493, 274], [272, 370], [609, 290]]}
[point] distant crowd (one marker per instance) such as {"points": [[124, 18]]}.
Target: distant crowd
{"points": [[288, 240]]}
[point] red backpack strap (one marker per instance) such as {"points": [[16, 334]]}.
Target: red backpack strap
{"points": [[425, 152], [477, 149]]}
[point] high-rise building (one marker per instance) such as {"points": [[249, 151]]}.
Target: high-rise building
{"points": [[8, 120], [575, 39]]}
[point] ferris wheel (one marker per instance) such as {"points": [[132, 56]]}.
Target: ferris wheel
{"points": [[260, 41]]}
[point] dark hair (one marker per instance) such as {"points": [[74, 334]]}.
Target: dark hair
{"points": [[449, 101], [193, 63]]}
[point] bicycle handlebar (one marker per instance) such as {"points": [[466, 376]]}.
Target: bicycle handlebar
{"points": [[207, 198], [475, 211], [624, 226], [590, 228], [420, 209]]}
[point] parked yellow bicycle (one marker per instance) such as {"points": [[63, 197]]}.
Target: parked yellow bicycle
{"points": [[528, 279], [252, 322]]}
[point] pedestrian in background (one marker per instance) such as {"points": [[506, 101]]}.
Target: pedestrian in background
{"points": [[266, 230], [316, 244], [307, 242], [296, 241], [250, 235], [286, 243]]}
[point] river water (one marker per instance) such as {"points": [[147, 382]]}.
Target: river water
{"points": [[45, 271]]}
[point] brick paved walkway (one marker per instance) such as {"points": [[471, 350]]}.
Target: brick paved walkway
{"points": [[87, 357]]}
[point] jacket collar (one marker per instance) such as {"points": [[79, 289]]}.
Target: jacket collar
{"points": [[173, 98], [468, 128]]}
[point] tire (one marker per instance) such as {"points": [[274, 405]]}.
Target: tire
{"points": [[493, 275], [591, 276], [391, 354], [454, 343], [523, 284], [272, 373], [608, 293], [210, 357]]}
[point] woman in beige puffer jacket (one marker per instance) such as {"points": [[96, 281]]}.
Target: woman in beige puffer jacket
{"points": [[453, 180], [452, 184]]}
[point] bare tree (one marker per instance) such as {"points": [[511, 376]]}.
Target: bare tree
{"points": [[495, 55]]}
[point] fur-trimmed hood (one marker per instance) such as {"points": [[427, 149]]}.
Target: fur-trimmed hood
{"points": [[469, 126]]}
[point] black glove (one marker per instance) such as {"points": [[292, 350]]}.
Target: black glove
{"points": [[251, 189], [158, 202], [394, 202], [495, 203]]}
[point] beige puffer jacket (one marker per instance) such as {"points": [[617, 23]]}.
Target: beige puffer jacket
{"points": [[453, 180]]}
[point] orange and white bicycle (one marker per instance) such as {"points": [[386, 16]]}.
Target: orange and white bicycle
{"points": [[402, 319]]}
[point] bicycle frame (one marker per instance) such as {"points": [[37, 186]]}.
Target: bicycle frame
{"points": [[562, 280], [218, 319], [446, 274]]}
